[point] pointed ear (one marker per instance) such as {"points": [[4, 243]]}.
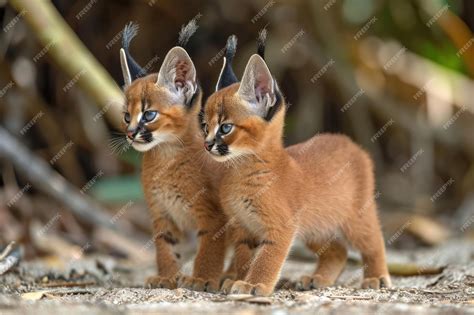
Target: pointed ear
{"points": [[127, 78], [257, 87], [178, 74]]}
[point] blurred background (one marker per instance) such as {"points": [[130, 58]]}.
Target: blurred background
{"points": [[394, 75]]}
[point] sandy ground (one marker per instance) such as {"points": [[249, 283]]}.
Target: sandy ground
{"points": [[104, 285]]}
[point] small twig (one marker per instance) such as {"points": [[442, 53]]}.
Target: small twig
{"points": [[7, 250], [10, 257], [349, 297], [59, 292], [68, 284], [441, 292], [249, 299]]}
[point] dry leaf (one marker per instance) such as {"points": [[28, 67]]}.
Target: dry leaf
{"points": [[33, 296]]}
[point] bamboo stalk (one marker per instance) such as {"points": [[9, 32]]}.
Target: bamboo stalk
{"points": [[460, 35], [70, 54]]}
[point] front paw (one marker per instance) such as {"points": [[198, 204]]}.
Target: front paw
{"points": [[198, 284], [161, 282], [376, 283], [243, 287], [312, 282], [227, 276], [227, 286]]}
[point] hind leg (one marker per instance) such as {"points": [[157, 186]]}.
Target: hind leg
{"points": [[366, 236], [332, 260]]}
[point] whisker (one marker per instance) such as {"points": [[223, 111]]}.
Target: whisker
{"points": [[118, 145], [117, 133], [252, 152], [179, 140], [201, 159]]}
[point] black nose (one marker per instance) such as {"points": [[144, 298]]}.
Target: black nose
{"points": [[208, 145]]}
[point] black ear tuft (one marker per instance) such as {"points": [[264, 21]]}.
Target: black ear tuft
{"points": [[278, 104], [129, 32], [261, 41], [227, 75], [231, 48], [186, 32], [196, 98]]}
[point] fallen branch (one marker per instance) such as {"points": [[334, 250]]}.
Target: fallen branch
{"points": [[68, 284], [135, 253], [50, 182], [44, 178], [9, 257]]}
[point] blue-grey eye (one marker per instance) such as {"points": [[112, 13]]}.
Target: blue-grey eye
{"points": [[126, 118], [149, 115], [226, 128]]}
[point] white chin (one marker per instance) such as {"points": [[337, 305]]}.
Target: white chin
{"points": [[143, 147], [221, 158], [157, 139]]}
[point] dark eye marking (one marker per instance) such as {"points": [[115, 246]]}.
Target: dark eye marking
{"points": [[168, 238]]}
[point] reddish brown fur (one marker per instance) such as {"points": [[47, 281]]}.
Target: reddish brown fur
{"points": [[181, 69], [179, 184], [321, 191]]}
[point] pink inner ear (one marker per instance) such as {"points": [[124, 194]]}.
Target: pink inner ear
{"points": [[262, 85], [182, 71]]}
